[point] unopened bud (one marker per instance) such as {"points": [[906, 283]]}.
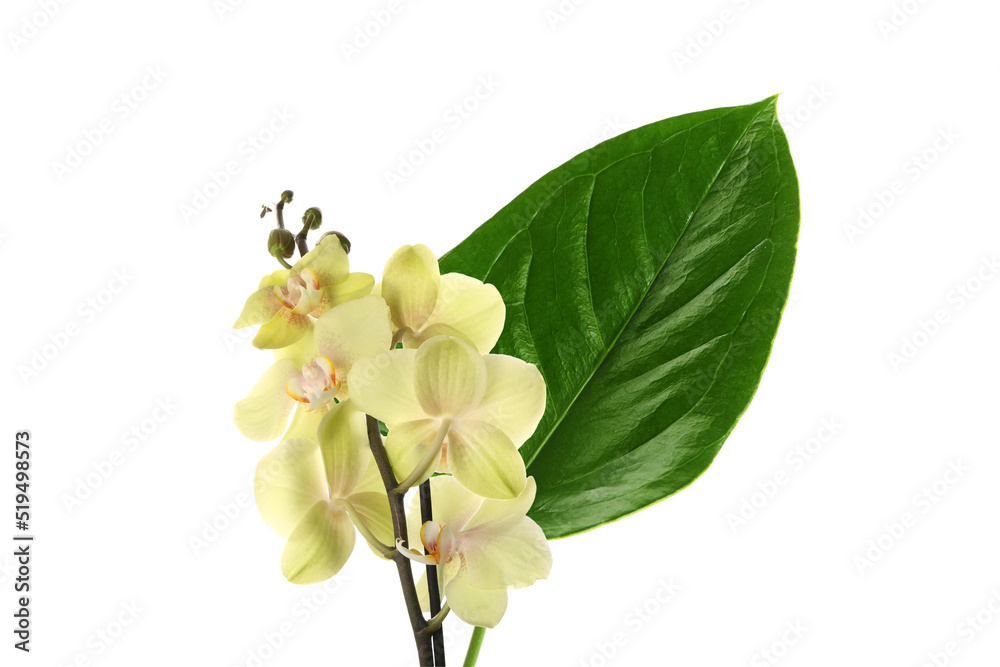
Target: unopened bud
{"points": [[281, 243], [286, 196], [313, 218]]}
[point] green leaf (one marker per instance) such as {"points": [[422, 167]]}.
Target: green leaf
{"points": [[645, 278]]}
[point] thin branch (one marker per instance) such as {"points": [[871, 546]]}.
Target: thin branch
{"points": [[433, 590], [424, 651], [300, 240], [278, 212]]}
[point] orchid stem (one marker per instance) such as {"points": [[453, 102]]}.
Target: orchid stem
{"points": [[279, 213], [425, 652], [433, 589], [300, 240], [474, 646], [282, 261]]}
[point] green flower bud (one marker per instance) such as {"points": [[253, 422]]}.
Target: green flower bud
{"points": [[281, 243], [286, 196], [312, 218]]}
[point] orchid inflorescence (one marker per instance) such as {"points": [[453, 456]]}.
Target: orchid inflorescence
{"points": [[411, 355]]}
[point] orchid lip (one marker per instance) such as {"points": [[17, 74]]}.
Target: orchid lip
{"points": [[317, 384], [301, 294], [415, 555]]}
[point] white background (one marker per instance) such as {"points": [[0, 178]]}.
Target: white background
{"points": [[861, 104]]}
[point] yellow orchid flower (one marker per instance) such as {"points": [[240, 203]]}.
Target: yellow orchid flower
{"points": [[313, 371], [286, 301], [451, 409], [314, 493], [481, 547], [425, 304]]}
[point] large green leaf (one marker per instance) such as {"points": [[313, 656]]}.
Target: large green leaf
{"points": [[646, 278]]}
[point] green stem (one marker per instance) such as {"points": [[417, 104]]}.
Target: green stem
{"points": [[474, 646]]}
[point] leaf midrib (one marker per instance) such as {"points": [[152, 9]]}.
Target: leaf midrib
{"points": [[666, 260]]}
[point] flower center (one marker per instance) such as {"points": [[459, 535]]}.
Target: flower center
{"points": [[301, 294], [316, 386]]}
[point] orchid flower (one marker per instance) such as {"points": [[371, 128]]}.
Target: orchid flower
{"points": [[286, 301], [425, 304], [481, 547], [313, 371], [316, 493], [451, 409]]}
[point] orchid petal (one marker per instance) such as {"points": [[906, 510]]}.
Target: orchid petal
{"points": [[477, 606], [352, 331], [471, 307], [319, 546], [327, 260], [282, 330], [514, 400], [383, 387], [485, 461], [410, 283], [343, 440], [260, 307], [263, 414], [407, 444], [449, 377], [288, 482]]}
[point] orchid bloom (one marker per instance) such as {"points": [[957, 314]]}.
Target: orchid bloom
{"points": [[482, 548], [425, 304], [313, 372], [451, 409], [287, 301], [316, 493]]}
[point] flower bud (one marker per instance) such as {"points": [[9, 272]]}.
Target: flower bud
{"points": [[281, 243], [312, 218], [286, 196]]}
